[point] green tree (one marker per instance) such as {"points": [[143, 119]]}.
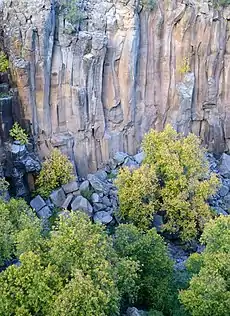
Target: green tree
{"points": [[174, 180], [149, 250], [138, 195], [4, 63], [74, 271], [209, 290], [56, 171], [18, 133], [16, 219]]}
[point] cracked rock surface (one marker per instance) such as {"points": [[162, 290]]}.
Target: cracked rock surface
{"points": [[94, 88]]}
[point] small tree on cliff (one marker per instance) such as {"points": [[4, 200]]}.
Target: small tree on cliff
{"points": [[174, 179], [56, 171]]}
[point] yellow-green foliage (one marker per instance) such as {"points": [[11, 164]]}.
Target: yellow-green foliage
{"points": [[56, 171], [138, 195], [73, 271], [17, 219], [4, 185], [173, 179], [209, 292], [4, 63], [18, 133], [185, 66]]}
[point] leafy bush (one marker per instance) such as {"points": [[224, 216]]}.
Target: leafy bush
{"points": [[18, 133], [156, 268], [74, 271], [17, 219], [4, 185], [138, 195], [4, 63], [72, 10], [209, 292], [56, 171], [174, 180]]}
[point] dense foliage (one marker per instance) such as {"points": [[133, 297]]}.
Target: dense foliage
{"points": [[4, 63], [73, 272], [56, 171], [173, 180], [138, 195], [18, 133], [71, 10], [209, 291], [16, 220], [156, 268], [80, 268]]}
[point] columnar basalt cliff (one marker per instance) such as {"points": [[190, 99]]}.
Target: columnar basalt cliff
{"points": [[94, 88]]}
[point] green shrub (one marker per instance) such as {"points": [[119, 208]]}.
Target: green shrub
{"points": [[72, 11], [174, 180], [156, 271], [209, 292], [138, 195], [154, 312], [17, 220], [4, 63], [4, 185], [18, 133], [56, 171], [75, 271]]}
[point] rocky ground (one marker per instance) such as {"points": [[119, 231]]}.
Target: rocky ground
{"points": [[96, 195]]}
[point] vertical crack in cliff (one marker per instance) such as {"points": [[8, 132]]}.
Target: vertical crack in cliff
{"points": [[48, 42]]}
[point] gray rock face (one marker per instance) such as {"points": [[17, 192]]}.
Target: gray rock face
{"points": [[223, 190], [220, 211], [37, 203], [44, 213], [19, 162], [102, 217], [106, 201], [70, 187], [68, 200], [130, 163], [23, 159], [139, 157], [98, 207], [95, 198], [101, 174], [133, 311], [82, 204], [84, 186], [119, 157], [58, 197], [225, 165], [158, 222], [97, 184], [102, 89]]}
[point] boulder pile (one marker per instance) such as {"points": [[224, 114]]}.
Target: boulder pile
{"points": [[96, 195]]}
